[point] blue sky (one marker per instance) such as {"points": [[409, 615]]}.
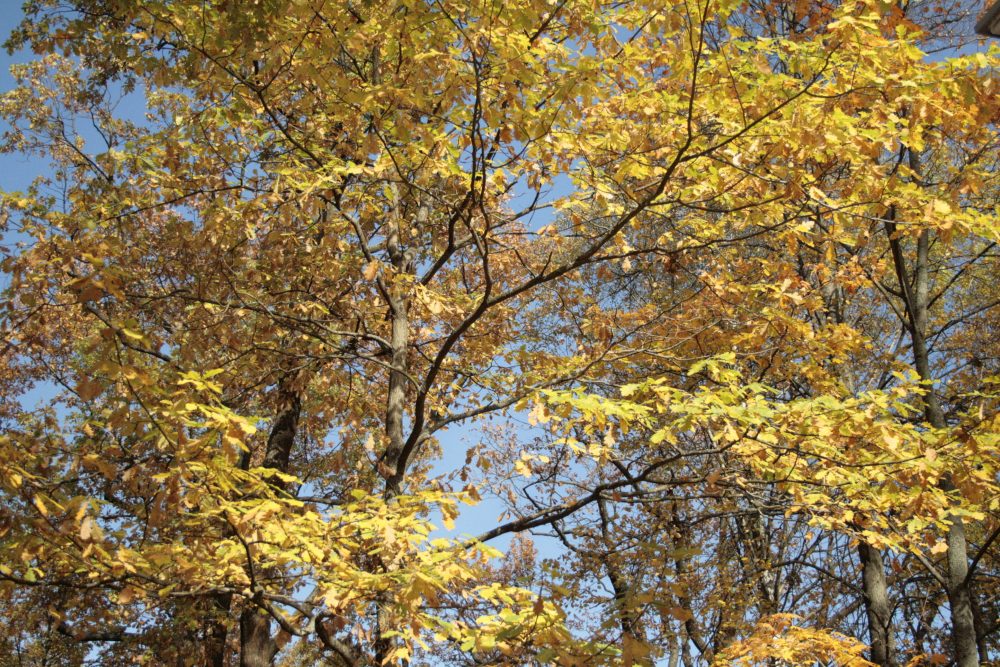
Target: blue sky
{"points": [[17, 171]]}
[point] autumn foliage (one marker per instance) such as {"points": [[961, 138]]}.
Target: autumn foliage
{"points": [[699, 298]]}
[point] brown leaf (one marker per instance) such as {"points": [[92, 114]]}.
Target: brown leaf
{"points": [[91, 293], [681, 614], [88, 389]]}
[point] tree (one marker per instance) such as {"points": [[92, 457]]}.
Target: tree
{"points": [[340, 230]]}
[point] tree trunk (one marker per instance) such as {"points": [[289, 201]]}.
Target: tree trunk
{"points": [[635, 651], [983, 627], [684, 601], [962, 617], [916, 300], [395, 404], [393, 467], [286, 424], [217, 630], [877, 607], [257, 647]]}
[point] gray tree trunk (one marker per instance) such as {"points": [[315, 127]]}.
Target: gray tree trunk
{"points": [[916, 300], [877, 607]]}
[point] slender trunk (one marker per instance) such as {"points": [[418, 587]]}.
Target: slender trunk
{"points": [[673, 657], [963, 624], [395, 404], [399, 340], [684, 601], [877, 607], [634, 648], [286, 424], [963, 618], [916, 299], [393, 468], [768, 579], [728, 550], [983, 628]]}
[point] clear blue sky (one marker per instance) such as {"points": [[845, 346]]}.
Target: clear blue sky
{"points": [[16, 172]]}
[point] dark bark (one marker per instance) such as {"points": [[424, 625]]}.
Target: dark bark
{"points": [[629, 618], [257, 647], [286, 424], [217, 631], [684, 601], [983, 627]]}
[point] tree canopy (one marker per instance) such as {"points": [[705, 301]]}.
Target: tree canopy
{"points": [[699, 296]]}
